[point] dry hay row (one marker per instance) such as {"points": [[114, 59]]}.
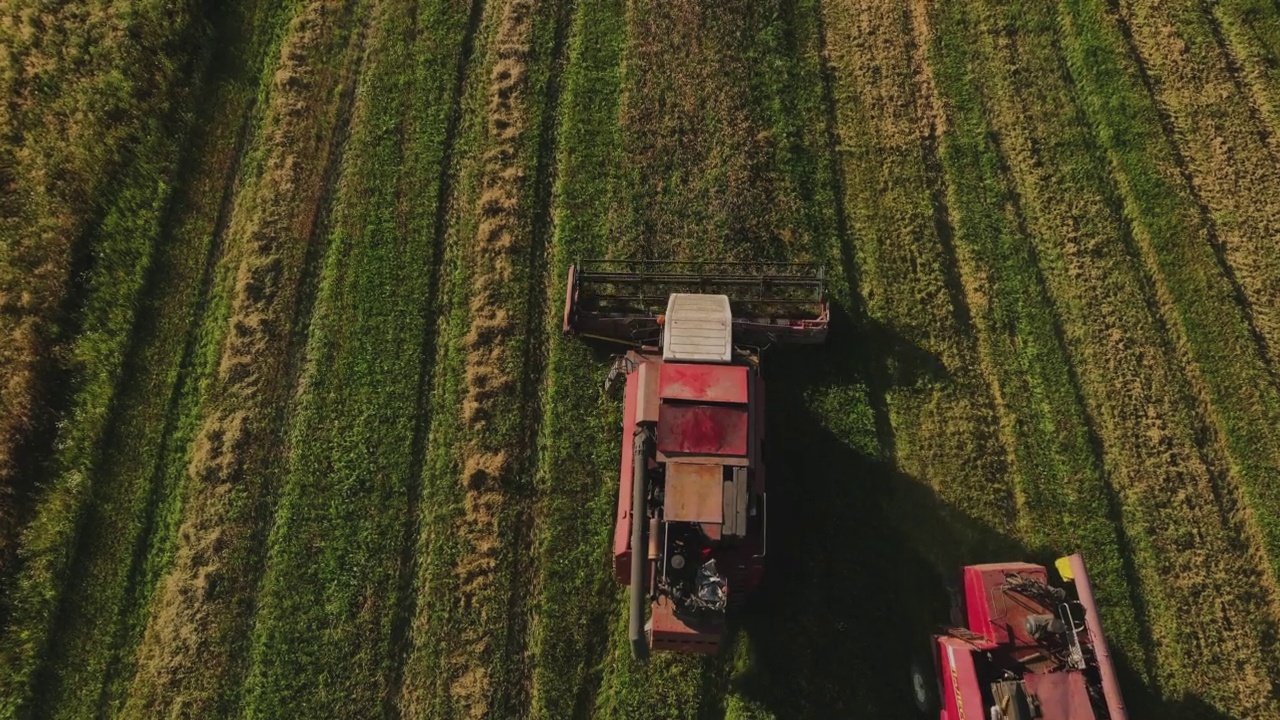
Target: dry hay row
{"points": [[188, 659], [1232, 168], [1133, 380], [1063, 501], [66, 120], [135, 483], [1050, 477], [979, 402], [492, 360]]}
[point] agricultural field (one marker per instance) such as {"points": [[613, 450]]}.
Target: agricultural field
{"points": [[289, 429]]}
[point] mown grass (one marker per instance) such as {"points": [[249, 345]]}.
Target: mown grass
{"points": [[1063, 500], [198, 616], [129, 486], [1251, 30], [576, 478], [126, 197], [1223, 144], [89, 126], [425, 689], [941, 421], [469, 633], [1129, 373], [1175, 244], [326, 627]]}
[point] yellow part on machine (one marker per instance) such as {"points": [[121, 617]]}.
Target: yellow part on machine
{"points": [[1064, 568]]}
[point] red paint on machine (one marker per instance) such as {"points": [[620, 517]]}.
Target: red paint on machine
{"points": [[702, 430], [706, 383]]}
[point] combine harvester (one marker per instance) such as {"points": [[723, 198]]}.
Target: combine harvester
{"points": [[1032, 650], [690, 537]]}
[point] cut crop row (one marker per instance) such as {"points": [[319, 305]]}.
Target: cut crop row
{"points": [[327, 629], [1151, 439], [131, 488], [193, 652], [1057, 487], [1249, 32], [467, 656], [93, 109], [1221, 147], [110, 183], [1231, 381], [942, 420]]}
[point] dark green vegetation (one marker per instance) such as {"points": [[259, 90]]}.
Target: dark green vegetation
{"points": [[288, 427]]}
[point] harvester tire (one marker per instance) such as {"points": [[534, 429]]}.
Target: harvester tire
{"points": [[956, 601], [924, 687]]}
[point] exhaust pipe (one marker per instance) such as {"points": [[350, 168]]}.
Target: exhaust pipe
{"points": [[639, 494], [1093, 622]]}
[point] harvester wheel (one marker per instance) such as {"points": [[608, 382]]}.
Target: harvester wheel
{"points": [[956, 599], [924, 687]]}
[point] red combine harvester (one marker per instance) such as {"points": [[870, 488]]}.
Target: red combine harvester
{"points": [[1032, 649], [690, 536]]}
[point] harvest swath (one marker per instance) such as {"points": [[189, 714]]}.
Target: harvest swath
{"points": [[288, 425]]}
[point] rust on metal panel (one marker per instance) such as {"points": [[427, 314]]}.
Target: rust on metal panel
{"points": [[694, 493], [702, 429], [1060, 695], [708, 383], [669, 632], [703, 459]]}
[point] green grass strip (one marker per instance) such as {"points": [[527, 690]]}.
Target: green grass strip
{"points": [[122, 246], [323, 636], [130, 484], [1176, 246], [1060, 479], [576, 480], [471, 658], [1251, 29]]}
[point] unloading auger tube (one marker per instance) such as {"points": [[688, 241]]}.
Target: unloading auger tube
{"points": [[643, 445], [624, 300]]}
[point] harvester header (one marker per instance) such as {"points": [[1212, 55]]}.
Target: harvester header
{"points": [[627, 300]]}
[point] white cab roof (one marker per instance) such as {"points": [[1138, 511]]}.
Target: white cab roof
{"points": [[699, 328]]}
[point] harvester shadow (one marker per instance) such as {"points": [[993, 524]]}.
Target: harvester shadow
{"points": [[861, 554]]}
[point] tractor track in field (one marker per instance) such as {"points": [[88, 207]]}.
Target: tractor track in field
{"points": [[1124, 400], [1244, 82], [1206, 215], [489, 672], [1184, 173], [536, 358], [966, 290], [1244, 283], [217, 563], [1247, 254], [64, 165], [204, 291], [297, 361], [1017, 212], [409, 571]]}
